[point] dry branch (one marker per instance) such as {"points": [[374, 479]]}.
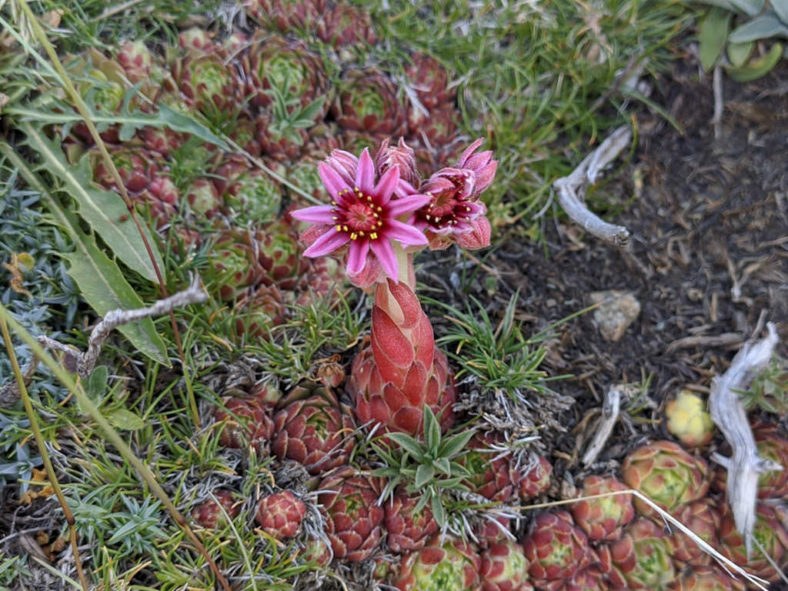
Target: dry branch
{"points": [[610, 411], [744, 466], [571, 188]]}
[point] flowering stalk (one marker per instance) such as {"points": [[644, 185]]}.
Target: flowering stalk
{"points": [[381, 213]]}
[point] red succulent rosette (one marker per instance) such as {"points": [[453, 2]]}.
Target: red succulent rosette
{"points": [[504, 568], [213, 512], [702, 517], [448, 564], [490, 468], [641, 558], [705, 579], [534, 479], [243, 421], [602, 518], [316, 432], [408, 526], [353, 515], [556, 548], [280, 514]]}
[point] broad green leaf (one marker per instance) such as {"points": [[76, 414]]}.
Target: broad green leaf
{"points": [[455, 444], [125, 420], [748, 7], [100, 280], [756, 68], [424, 473], [781, 10], [438, 512], [712, 34], [165, 117], [443, 466], [103, 210], [764, 26], [432, 430], [410, 445], [97, 383], [739, 53]]}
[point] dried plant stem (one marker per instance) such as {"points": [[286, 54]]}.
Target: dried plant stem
{"points": [[610, 410], [114, 438], [719, 101], [571, 188], [727, 411], [42, 449]]}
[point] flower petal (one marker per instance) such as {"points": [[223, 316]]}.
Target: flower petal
{"points": [[387, 184], [332, 181], [468, 151], [327, 243], [319, 214], [357, 256], [365, 175], [407, 204], [385, 254], [407, 235]]}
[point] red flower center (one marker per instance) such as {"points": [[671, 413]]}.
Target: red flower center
{"points": [[360, 217], [445, 210]]}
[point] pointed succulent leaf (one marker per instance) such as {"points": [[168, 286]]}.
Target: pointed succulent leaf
{"points": [[424, 473]]}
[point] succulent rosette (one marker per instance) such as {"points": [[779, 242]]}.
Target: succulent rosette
{"points": [[368, 102], [555, 548], [452, 565], [345, 24], [702, 517], [504, 568], [688, 420], [409, 527], [590, 578], [314, 431], [491, 474], [774, 483], [280, 514], [430, 80], [353, 515], [279, 254], [196, 39], [401, 371], [769, 531], [493, 529], [274, 65], [243, 421], [136, 60], [666, 474], [705, 579], [364, 214], [256, 313], [603, 518], [641, 558], [534, 479], [233, 264], [248, 195], [213, 512], [203, 197], [286, 15], [160, 139], [207, 83]]}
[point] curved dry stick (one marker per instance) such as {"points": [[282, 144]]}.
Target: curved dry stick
{"points": [[570, 187], [745, 465]]}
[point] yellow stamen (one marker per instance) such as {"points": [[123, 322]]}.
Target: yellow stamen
{"points": [[373, 236]]}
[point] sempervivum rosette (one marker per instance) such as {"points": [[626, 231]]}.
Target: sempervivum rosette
{"points": [[279, 254], [409, 526], [243, 421], [489, 468], [136, 60], [314, 431], [286, 15], [273, 64], [280, 514], [641, 558], [368, 102], [504, 568], [556, 549], [602, 518], [401, 371], [345, 24], [533, 479], [233, 265], [702, 517], [666, 474], [774, 483], [249, 195], [353, 515], [256, 313], [769, 530], [196, 39], [705, 579], [451, 565], [213, 512], [207, 83]]}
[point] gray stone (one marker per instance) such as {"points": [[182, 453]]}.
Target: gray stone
{"points": [[616, 311]]}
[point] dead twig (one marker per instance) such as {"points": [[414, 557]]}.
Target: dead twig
{"points": [[570, 189], [745, 465], [85, 362], [610, 409]]}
